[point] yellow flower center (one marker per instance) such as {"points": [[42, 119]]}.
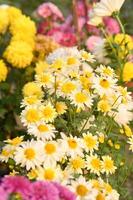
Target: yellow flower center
{"points": [[80, 98], [100, 197], [5, 153], [72, 143], [82, 190], [58, 64], [90, 142], [43, 128], [105, 83], [49, 174], [68, 87], [45, 78], [48, 112], [32, 115], [107, 71], [104, 106], [96, 164], [71, 61], [85, 55], [31, 100], [108, 164], [77, 163], [29, 153], [50, 148]]}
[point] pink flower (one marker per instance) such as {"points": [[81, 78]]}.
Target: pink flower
{"points": [[17, 184], [3, 194], [92, 41], [111, 24], [81, 8], [50, 10], [44, 191], [64, 193], [64, 38]]}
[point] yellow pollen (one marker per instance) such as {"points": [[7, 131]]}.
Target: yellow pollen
{"points": [[100, 197], [80, 98], [71, 61], [82, 190], [45, 78], [29, 153], [31, 100], [77, 163], [48, 112], [32, 115], [50, 148], [49, 174], [43, 128], [104, 83], [90, 142], [5, 153], [72, 143], [68, 87], [96, 163]]}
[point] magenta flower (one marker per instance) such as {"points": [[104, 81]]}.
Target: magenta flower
{"points": [[3, 194], [44, 191], [65, 193], [46, 10], [17, 184], [111, 25]]}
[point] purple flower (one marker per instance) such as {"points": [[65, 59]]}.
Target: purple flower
{"points": [[17, 184], [3, 194], [65, 193], [44, 191]]}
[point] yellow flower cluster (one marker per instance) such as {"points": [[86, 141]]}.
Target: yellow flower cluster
{"points": [[3, 71], [19, 53]]}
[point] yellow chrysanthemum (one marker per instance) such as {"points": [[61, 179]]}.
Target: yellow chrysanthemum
{"points": [[31, 89], [4, 20], [3, 71], [128, 72], [23, 24], [41, 66], [124, 40], [24, 37], [13, 13], [104, 106], [19, 54]]}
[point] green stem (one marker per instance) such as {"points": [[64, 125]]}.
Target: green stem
{"points": [[120, 23]]}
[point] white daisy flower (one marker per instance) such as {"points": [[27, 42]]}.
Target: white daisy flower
{"points": [[72, 146], [28, 155], [49, 173], [83, 189], [30, 101], [7, 152], [93, 163], [51, 153], [107, 7], [41, 130]]}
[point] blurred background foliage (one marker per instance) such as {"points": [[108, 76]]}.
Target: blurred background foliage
{"points": [[28, 7]]}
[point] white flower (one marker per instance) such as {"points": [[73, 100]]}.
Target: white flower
{"points": [[94, 20], [28, 155], [6, 153], [41, 130], [72, 146], [83, 189], [124, 114], [107, 7], [49, 173], [114, 195], [51, 153]]}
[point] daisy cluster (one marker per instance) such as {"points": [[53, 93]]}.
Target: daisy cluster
{"points": [[69, 111], [19, 52]]}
